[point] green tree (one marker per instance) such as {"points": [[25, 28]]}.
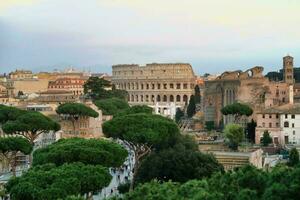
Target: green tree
{"points": [[197, 95], [136, 109], [142, 132], [30, 125], [191, 109], [266, 139], [237, 110], [210, 125], [94, 87], [179, 114], [9, 113], [293, 157], [251, 130], [179, 165], [10, 147], [235, 134], [52, 183], [112, 106], [87, 151], [73, 111]]}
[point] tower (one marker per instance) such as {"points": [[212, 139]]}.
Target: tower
{"points": [[288, 69]]}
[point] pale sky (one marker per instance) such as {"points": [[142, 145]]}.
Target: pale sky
{"points": [[212, 35]]}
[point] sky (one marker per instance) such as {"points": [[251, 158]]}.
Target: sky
{"points": [[212, 35]]}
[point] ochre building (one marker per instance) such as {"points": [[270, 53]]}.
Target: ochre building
{"points": [[163, 86]]}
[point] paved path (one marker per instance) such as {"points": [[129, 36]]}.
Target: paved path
{"points": [[119, 176]]}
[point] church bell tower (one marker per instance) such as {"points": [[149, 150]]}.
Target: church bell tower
{"points": [[288, 69]]}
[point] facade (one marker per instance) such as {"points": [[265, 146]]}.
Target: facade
{"points": [[27, 86], [21, 74], [56, 96], [72, 84], [282, 123], [249, 87], [288, 70], [85, 127], [163, 87]]}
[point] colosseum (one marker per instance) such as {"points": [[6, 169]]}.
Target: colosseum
{"points": [[163, 87]]}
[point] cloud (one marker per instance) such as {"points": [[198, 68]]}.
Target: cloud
{"points": [[6, 4]]}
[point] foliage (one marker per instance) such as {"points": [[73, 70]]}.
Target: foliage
{"points": [[51, 182], [210, 125], [74, 198], [87, 151], [30, 125], [76, 110], [197, 95], [112, 106], [191, 109], [246, 183], [124, 187], [136, 109], [152, 130], [10, 146], [238, 110], [179, 165], [251, 130], [266, 139], [96, 88], [235, 134], [179, 114], [293, 157], [9, 113]]}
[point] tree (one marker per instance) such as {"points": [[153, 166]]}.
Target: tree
{"points": [[52, 183], [142, 132], [87, 151], [30, 125], [136, 109], [179, 114], [9, 113], [210, 125], [266, 139], [251, 130], [293, 157], [74, 111], [10, 147], [237, 110], [179, 165], [191, 109], [94, 87], [235, 134], [197, 95], [112, 106]]}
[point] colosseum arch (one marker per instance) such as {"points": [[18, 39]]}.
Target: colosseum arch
{"points": [[158, 98], [185, 98], [136, 98], [142, 98], [165, 99], [178, 98], [171, 98], [132, 97], [147, 98], [152, 98]]}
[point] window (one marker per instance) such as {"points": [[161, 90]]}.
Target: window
{"points": [[294, 132], [185, 86], [270, 116], [293, 116], [270, 125], [263, 124], [263, 116], [171, 86], [286, 124], [293, 125], [277, 116], [165, 86], [286, 116], [158, 86], [277, 124], [178, 86]]}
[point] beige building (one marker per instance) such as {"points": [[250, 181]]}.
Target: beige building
{"points": [[250, 87], [56, 96], [75, 85], [85, 127], [163, 87], [21, 74], [27, 86]]}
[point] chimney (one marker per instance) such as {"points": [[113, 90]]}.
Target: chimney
{"points": [[291, 94]]}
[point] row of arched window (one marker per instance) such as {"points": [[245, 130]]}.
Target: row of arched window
{"points": [[154, 86], [158, 98]]}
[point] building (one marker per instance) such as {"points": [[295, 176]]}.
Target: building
{"points": [[288, 70], [249, 87], [282, 123], [163, 87], [85, 127], [26, 86], [21, 74], [56, 96], [75, 85]]}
